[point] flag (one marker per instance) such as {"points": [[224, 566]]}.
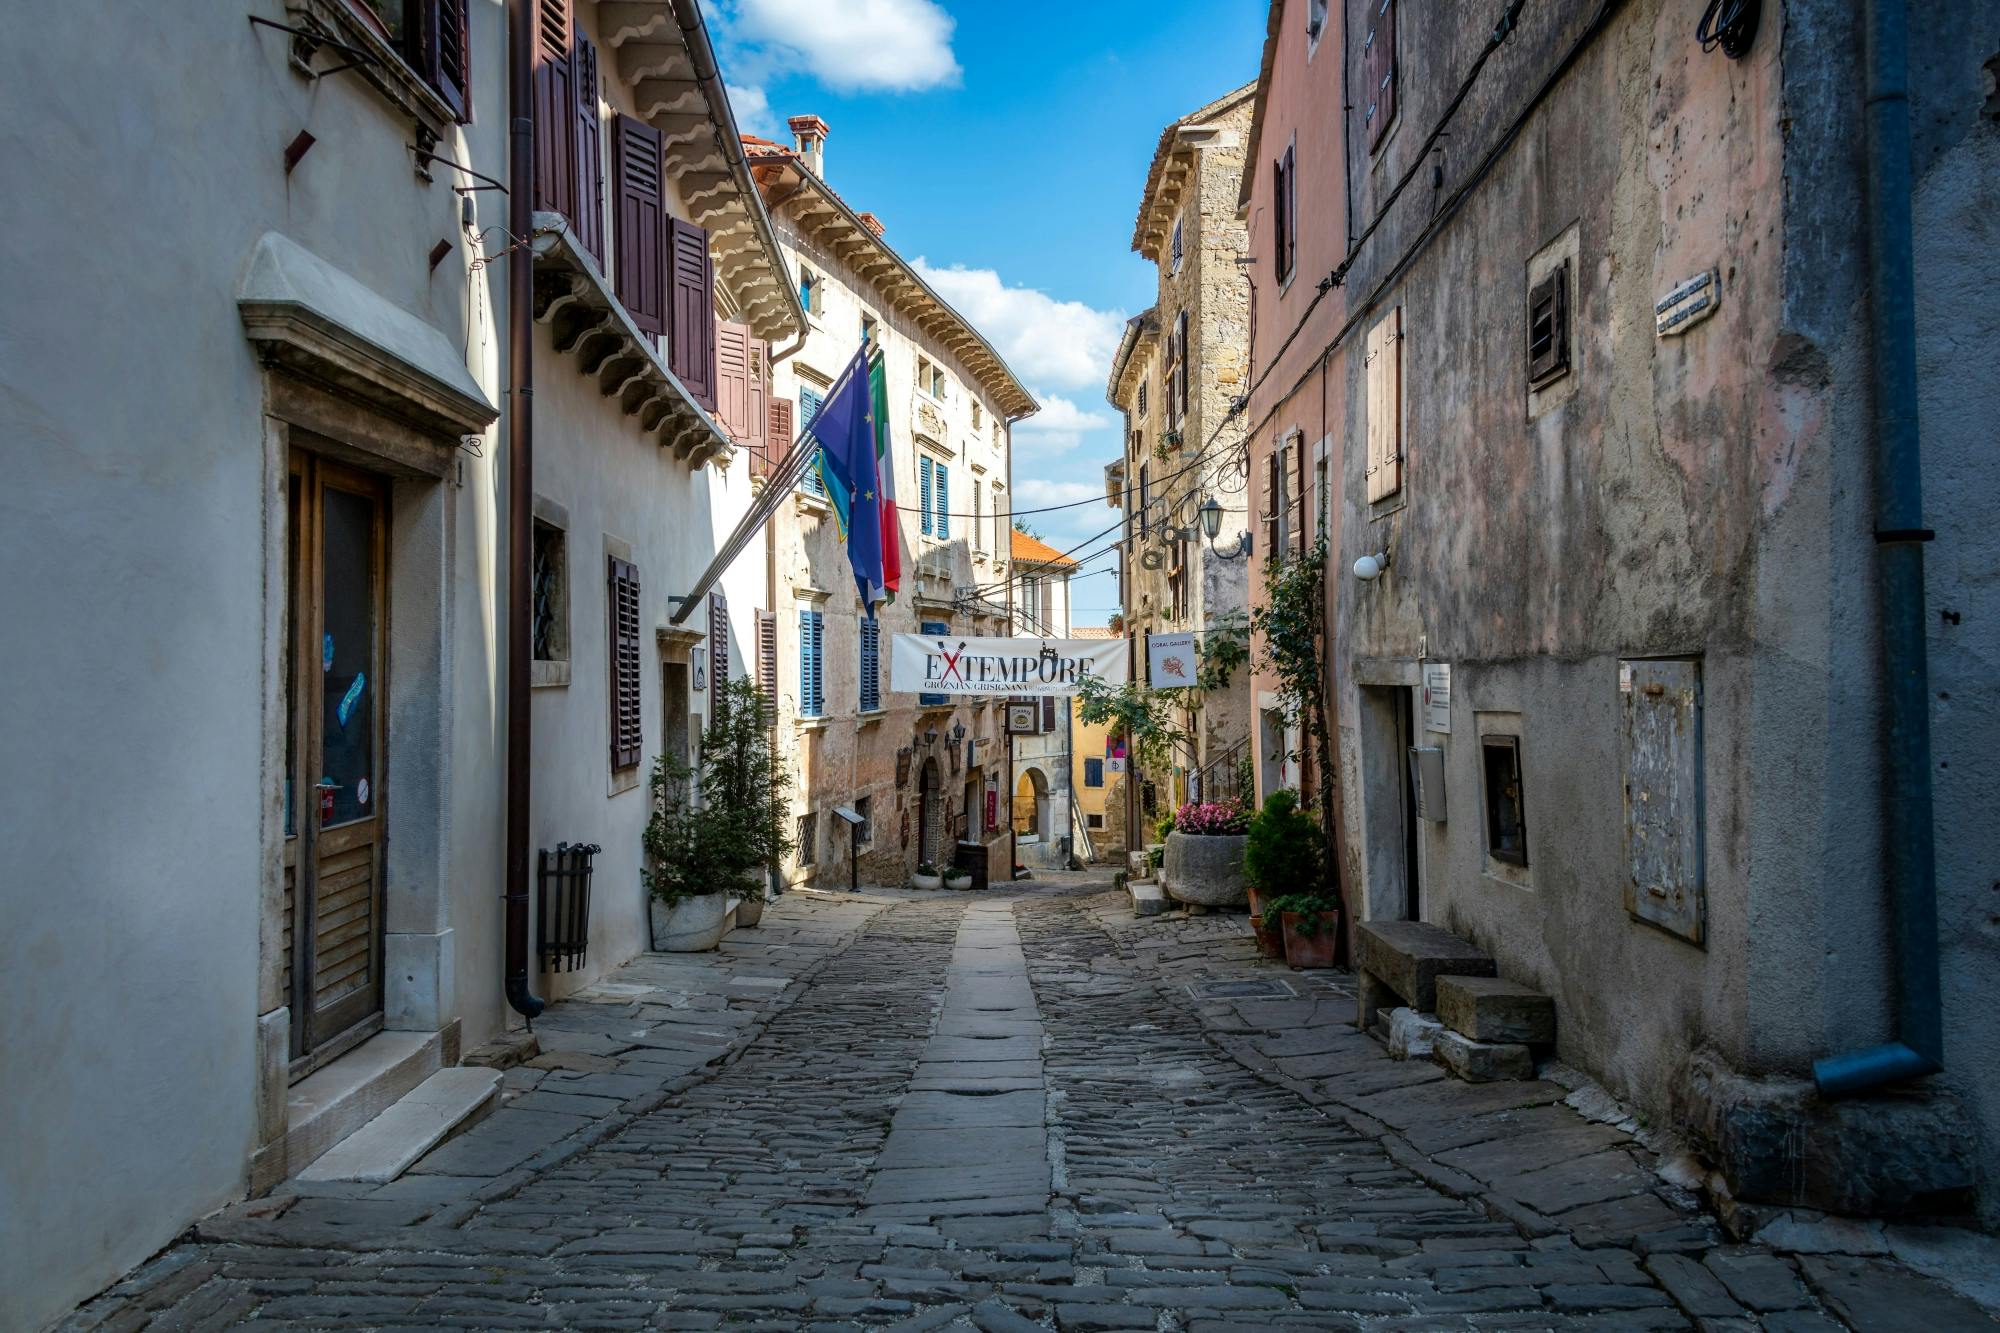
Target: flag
{"points": [[845, 429], [885, 457]]}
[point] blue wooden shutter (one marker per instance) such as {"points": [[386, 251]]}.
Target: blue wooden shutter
{"points": [[810, 480], [871, 665], [810, 702], [924, 488], [933, 628], [943, 521]]}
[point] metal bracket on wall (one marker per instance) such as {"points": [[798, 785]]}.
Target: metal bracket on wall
{"points": [[306, 44]]}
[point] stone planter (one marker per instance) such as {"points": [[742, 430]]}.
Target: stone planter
{"points": [[751, 910], [927, 881], [1206, 869], [1270, 939], [958, 883], [692, 925], [1316, 949]]}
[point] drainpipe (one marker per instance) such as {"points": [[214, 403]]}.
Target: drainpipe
{"points": [[520, 493], [1899, 538]]}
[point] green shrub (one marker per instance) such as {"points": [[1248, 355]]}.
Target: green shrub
{"points": [[1307, 905], [1283, 854]]}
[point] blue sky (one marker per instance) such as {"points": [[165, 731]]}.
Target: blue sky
{"points": [[1004, 146]]}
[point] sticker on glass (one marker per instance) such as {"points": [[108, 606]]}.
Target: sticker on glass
{"points": [[352, 698], [326, 653], [361, 792]]}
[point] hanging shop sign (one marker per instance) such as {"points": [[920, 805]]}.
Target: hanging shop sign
{"points": [[1170, 661], [948, 664]]}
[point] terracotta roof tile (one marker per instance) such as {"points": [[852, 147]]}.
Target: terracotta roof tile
{"points": [[1035, 551]]}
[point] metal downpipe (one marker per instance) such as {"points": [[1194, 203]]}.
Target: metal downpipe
{"points": [[1908, 853], [520, 491]]}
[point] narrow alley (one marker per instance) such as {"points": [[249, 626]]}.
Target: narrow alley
{"points": [[1007, 1113]]}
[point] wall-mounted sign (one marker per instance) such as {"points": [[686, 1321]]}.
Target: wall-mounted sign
{"points": [[1170, 660], [700, 677], [948, 664], [1024, 719], [1436, 694], [1687, 304]]}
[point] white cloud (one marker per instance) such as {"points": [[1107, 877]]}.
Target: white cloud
{"points": [[1035, 493], [753, 113], [856, 45], [1059, 426], [1066, 344]]}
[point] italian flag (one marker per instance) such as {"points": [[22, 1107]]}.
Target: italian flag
{"points": [[892, 530]]}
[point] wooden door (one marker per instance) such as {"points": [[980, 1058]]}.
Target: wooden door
{"points": [[335, 824]]}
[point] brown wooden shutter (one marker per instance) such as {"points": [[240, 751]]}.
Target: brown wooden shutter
{"points": [[641, 279], [589, 216], [1267, 500], [555, 111], [755, 394], [1378, 70], [777, 437], [1181, 339], [627, 733], [767, 659], [1385, 406], [1048, 715], [732, 380], [718, 645], [442, 53], [691, 339], [1295, 497]]}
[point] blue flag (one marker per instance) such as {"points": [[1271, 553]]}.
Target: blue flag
{"points": [[845, 429]]}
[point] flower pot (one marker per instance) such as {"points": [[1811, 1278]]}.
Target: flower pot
{"points": [[751, 910], [1270, 939], [1256, 897], [1316, 949], [1206, 869], [691, 925], [927, 881], [958, 883]]}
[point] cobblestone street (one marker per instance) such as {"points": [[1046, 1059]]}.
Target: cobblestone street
{"points": [[1009, 1112]]}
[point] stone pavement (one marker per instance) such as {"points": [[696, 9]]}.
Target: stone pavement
{"points": [[1004, 1112]]}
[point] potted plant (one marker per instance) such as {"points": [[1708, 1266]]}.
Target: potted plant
{"points": [[956, 879], [713, 834], [1270, 939], [1204, 857], [928, 876], [1310, 923]]}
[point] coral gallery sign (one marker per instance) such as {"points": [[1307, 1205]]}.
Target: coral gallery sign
{"points": [[947, 664]]}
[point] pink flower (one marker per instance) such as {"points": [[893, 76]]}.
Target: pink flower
{"points": [[1212, 818]]}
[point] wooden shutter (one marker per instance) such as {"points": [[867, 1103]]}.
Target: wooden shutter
{"points": [[1295, 497], [627, 733], [588, 220], [767, 660], [1385, 406], [1048, 715], [732, 380], [811, 701], [442, 53], [641, 234], [941, 480], [755, 393], [691, 310], [935, 628], [1181, 372], [924, 489], [556, 177], [1267, 499], [777, 437], [1378, 71], [718, 645], [871, 665]]}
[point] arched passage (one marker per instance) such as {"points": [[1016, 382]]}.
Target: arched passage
{"points": [[1031, 799]]}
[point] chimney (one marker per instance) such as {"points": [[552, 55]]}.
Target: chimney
{"points": [[809, 137], [872, 222]]}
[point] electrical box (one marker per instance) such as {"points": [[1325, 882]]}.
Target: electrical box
{"points": [[1427, 779], [1661, 706]]}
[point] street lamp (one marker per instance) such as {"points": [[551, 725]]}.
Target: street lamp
{"points": [[1211, 525]]}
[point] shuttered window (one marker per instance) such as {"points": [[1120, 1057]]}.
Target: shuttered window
{"points": [[1093, 773], [1385, 406], [627, 733], [934, 628], [555, 110], [1285, 212], [941, 515], [777, 438], [1048, 715], [1295, 496], [718, 644], [641, 279], [1181, 375], [924, 491], [767, 661], [1378, 70], [871, 665], [691, 310], [739, 378], [810, 480], [812, 700], [444, 53], [588, 220], [1270, 489]]}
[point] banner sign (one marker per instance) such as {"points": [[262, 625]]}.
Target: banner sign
{"points": [[1170, 661], [948, 664]]}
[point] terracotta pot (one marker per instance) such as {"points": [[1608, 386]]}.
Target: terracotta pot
{"points": [[1316, 949], [1256, 896], [1270, 940]]}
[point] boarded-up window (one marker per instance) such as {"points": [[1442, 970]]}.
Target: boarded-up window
{"points": [[691, 299], [1663, 794], [641, 234], [627, 734], [1378, 70], [1384, 358]]}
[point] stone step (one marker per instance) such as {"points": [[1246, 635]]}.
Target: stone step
{"points": [[1489, 1009], [1405, 959], [1147, 897], [392, 1142], [1482, 1061]]}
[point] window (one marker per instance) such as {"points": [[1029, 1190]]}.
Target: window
{"points": [[1093, 821], [978, 516], [1548, 327], [549, 594], [811, 290], [1145, 498], [934, 628], [622, 626], [871, 665], [1031, 598], [568, 126], [978, 419], [808, 849], [864, 832], [1284, 213], [812, 699], [1384, 377], [767, 662], [930, 379], [1378, 70], [1142, 399], [718, 644], [1506, 816], [1093, 774], [868, 327], [810, 480], [1000, 543], [1315, 24], [934, 496], [1176, 248], [431, 35]]}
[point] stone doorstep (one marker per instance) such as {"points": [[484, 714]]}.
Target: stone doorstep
{"points": [[1409, 956], [1482, 1061], [1492, 1010], [332, 1102], [426, 1116]]}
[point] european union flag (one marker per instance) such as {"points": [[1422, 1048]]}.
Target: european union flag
{"points": [[845, 429]]}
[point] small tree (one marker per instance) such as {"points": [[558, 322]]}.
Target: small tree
{"points": [[708, 831], [1282, 854]]}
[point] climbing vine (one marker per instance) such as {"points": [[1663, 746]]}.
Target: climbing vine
{"points": [[1291, 628], [1149, 718]]}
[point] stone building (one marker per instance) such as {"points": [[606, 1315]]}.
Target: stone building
{"points": [[1045, 811], [923, 772], [257, 475], [1178, 367], [1573, 328]]}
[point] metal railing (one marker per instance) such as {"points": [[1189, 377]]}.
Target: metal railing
{"points": [[1221, 778], [562, 885]]}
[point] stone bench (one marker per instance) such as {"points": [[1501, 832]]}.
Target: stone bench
{"points": [[1403, 960]]}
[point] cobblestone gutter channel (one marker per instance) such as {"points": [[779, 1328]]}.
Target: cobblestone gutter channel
{"points": [[1003, 1114]]}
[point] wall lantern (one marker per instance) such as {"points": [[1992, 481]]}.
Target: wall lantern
{"points": [[958, 734], [1369, 567], [1210, 514]]}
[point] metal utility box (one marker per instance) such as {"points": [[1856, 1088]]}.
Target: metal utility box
{"points": [[1661, 706], [1427, 780]]}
